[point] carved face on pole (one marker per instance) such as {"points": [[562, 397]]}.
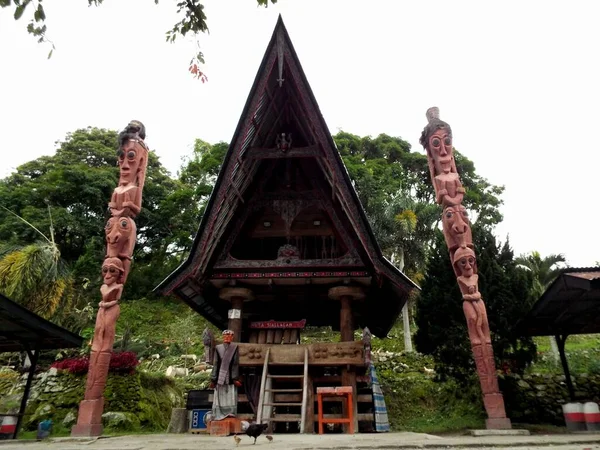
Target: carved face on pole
{"points": [[456, 219], [131, 159], [464, 262], [455, 224], [440, 149], [120, 236], [112, 271]]}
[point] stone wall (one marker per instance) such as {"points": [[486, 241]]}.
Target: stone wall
{"points": [[539, 398], [133, 401]]}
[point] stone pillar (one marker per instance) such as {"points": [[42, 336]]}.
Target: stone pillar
{"points": [[345, 295], [236, 296]]}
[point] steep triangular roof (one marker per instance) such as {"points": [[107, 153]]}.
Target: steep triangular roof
{"points": [[281, 93]]}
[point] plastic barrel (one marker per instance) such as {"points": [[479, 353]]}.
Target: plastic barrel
{"points": [[591, 414], [574, 417], [8, 426]]}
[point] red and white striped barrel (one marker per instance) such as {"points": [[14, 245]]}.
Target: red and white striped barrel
{"points": [[591, 415], [574, 417], [8, 425]]}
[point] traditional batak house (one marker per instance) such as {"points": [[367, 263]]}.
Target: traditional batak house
{"points": [[285, 244]]}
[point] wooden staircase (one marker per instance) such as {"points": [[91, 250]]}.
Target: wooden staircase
{"points": [[287, 385]]}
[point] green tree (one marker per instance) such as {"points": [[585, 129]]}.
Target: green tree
{"points": [[394, 186], [505, 287], [543, 271], [77, 183]]}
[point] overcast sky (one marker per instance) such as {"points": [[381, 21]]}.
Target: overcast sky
{"points": [[517, 81]]}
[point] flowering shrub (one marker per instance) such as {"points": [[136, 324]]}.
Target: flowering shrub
{"points": [[123, 362], [76, 366], [120, 362]]}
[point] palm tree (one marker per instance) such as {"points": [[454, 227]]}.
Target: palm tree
{"points": [[544, 272], [406, 226], [34, 275]]}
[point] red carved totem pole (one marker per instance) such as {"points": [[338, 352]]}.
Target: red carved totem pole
{"points": [[125, 205], [437, 141]]}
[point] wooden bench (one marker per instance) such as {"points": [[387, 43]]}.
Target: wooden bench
{"points": [[343, 392]]}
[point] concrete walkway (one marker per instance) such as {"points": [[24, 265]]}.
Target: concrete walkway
{"points": [[306, 442]]}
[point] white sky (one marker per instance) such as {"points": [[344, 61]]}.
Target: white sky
{"points": [[517, 81]]}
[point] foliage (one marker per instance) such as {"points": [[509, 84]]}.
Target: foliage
{"points": [[77, 182], [505, 288], [150, 324], [120, 362], [394, 188], [35, 276], [193, 21], [544, 270], [419, 404]]}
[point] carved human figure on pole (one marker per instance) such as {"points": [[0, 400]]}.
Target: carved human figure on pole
{"points": [[120, 240], [120, 232], [126, 199], [449, 192], [225, 377], [104, 331], [442, 168]]}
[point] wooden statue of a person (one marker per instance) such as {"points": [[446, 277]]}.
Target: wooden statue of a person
{"points": [[126, 199], [104, 331], [225, 377]]}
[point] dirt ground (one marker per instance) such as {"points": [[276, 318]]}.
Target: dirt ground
{"points": [[306, 442]]}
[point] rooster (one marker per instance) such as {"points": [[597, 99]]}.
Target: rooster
{"points": [[270, 438], [254, 429], [237, 440]]}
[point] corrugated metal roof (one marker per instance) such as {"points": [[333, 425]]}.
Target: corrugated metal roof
{"points": [[587, 275]]}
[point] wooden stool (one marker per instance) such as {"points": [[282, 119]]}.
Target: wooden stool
{"points": [[342, 391]]}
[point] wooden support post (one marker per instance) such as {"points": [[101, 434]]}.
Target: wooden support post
{"points": [[560, 340], [236, 296], [349, 379], [346, 319], [235, 318], [33, 357], [347, 294]]}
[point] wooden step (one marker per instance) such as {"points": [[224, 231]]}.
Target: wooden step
{"points": [[361, 398], [286, 363], [289, 377], [366, 417], [283, 390], [284, 418], [363, 417], [282, 404], [329, 379]]}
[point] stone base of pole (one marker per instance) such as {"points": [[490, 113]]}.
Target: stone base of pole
{"points": [[498, 424], [89, 419]]}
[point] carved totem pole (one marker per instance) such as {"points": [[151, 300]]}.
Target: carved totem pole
{"points": [[437, 141], [120, 230]]}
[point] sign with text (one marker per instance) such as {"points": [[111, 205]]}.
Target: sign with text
{"points": [[267, 324]]}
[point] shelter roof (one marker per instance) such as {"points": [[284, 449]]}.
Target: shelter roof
{"points": [[281, 97], [570, 305], [22, 330]]}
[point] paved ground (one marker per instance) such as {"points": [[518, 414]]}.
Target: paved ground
{"points": [[309, 442]]}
